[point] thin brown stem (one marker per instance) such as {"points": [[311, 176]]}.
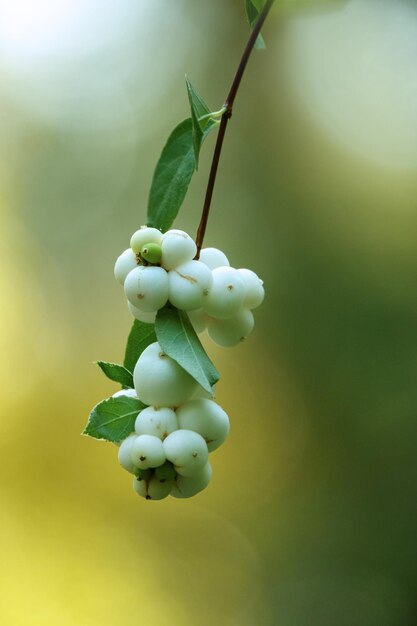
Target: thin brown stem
{"points": [[223, 123]]}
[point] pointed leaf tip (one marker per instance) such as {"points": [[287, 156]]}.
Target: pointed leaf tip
{"points": [[201, 127], [179, 341], [117, 373]]}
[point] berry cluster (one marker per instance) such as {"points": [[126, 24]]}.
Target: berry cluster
{"points": [[160, 268], [168, 452]]}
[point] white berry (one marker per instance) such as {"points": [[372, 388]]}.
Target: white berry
{"points": [[131, 393], [187, 451], [147, 288], [202, 393], [143, 316], [158, 490], [226, 294], [212, 257], [147, 451], [198, 319], [158, 422], [230, 332], [124, 452], [189, 285], [160, 381], [125, 263], [255, 291], [186, 487], [144, 235], [206, 418], [177, 248]]}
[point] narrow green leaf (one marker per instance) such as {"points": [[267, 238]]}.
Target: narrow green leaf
{"points": [[179, 340], [197, 104], [140, 337], [113, 419], [172, 176], [198, 109], [259, 4], [201, 127], [253, 10], [118, 373]]}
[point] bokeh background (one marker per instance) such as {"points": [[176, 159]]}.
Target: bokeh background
{"points": [[310, 518]]}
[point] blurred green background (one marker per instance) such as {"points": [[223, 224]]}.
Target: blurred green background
{"points": [[310, 519]]}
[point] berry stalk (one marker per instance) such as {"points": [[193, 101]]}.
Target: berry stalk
{"points": [[228, 109]]}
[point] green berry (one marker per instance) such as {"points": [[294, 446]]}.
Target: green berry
{"points": [[151, 252]]}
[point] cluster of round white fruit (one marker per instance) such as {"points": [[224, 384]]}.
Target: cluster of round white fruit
{"points": [[168, 452], [158, 268]]}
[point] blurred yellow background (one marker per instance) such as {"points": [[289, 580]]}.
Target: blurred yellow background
{"points": [[310, 517]]}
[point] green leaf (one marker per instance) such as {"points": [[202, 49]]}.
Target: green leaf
{"points": [[200, 112], [140, 337], [259, 4], [253, 10], [198, 107], [118, 373], [201, 127], [172, 176], [113, 419], [179, 340], [260, 43]]}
